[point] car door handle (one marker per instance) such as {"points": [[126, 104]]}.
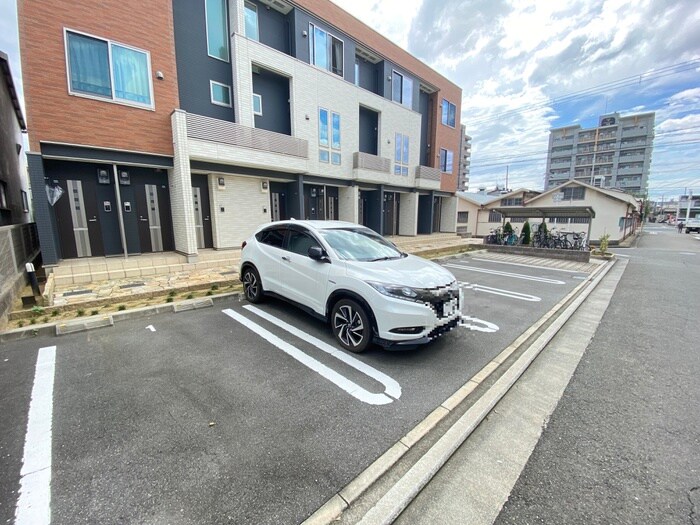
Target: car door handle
{"points": [[285, 258]]}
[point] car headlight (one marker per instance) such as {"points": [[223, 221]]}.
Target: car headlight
{"points": [[396, 291]]}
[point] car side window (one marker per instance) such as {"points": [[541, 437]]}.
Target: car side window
{"points": [[300, 242], [273, 237]]}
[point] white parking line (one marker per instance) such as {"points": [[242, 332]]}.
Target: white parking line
{"points": [[506, 274], [478, 325], [339, 380], [527, 265], [34, 503], [498, 291]]}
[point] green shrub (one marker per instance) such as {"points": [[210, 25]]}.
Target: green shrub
{"points": [[508, 228], [214, 287], [189, 296], [169, 300], [171, 293], [121, 307], [94, 312], [20, 324], [54, 313], [210, 292], [37, 310], [32, 320], [526, 233], [45, 320], [80, 312], [604, 240]]}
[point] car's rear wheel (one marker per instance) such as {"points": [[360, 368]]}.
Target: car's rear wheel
{"points": [[351, 325], [252, 286]]}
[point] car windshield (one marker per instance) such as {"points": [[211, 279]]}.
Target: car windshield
{"points": [[360, 245]]}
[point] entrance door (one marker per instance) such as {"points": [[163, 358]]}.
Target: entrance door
{"points": [[437, 213], [202, 211], [391, 213], [314, 202], [152, 210], [76, 216]]}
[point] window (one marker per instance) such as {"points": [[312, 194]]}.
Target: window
{"points": [[401, 146], [220, 94], [449, 111], [25, 202], [300, 243], [462, 216], [494, 216], [257, 104], [512, 201], [273, 237], [329, 138], [251, 21], [325, 50], [217, 29], [401, 89], [573, 194], [446, 157], [105, 69]]}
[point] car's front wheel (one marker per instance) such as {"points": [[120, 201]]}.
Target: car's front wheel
{"points": [[252, 286], [351, 325]]}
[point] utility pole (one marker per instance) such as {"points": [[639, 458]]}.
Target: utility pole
{"points": [[687, 210]]}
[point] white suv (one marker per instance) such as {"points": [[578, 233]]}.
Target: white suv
{"points": [[352, 277]]}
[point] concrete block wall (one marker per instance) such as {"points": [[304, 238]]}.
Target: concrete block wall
{"points": [[448, 214], [348, 209]]}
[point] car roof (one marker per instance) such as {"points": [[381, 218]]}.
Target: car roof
{"points": [[316, 225]]}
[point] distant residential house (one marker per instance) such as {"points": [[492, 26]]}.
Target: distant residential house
{"points": [[18, 239], [579, 207], [477, 211]]}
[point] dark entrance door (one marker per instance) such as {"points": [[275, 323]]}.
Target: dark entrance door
{"points": [[202, 211], [437, 213], [391, 213], [314, 202], [153, 210], [86, 214]]}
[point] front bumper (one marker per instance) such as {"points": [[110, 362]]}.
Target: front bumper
{"points": [[434, 319]]}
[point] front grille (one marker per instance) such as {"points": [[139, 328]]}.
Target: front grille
{"points": [[442, 330], [438, 298]]}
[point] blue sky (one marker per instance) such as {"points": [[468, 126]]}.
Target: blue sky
{"points": [[515, 61]]}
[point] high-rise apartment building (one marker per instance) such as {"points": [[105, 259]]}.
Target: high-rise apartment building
{"points": [[616, 154], [465, 149], [180, 125]]}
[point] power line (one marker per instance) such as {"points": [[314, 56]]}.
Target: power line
{"points": [[601, 88]]}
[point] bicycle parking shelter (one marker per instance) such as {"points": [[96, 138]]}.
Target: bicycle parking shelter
{"points": [[546, 212]]}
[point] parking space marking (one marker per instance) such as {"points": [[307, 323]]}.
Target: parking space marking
{"points": [[506, 274], [328, 373], [151, 328], [478, 325], [34, 503], [687, 253], [548, 268], [498, 291]]}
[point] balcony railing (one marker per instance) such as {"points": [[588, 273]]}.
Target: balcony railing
{"points": [[367, 161], [224, 132], [428, 173]]}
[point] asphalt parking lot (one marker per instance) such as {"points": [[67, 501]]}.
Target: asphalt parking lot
{"points": [[237, 413]]}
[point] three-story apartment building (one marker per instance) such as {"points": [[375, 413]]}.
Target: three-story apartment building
{"points": [[183, 125]]}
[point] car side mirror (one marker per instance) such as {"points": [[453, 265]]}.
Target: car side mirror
{"points": [[317, 254]]}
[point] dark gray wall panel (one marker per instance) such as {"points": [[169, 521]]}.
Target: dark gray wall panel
{"points": [[274, 90], [43, 215], [369, 75], [424, 109], [273, 28], [195, 68], [369, 123]]}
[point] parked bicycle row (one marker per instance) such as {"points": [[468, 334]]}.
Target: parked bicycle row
{"points": [[540, 238]]}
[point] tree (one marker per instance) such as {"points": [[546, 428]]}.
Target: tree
{"points": [[526, 233], [507, 229]]}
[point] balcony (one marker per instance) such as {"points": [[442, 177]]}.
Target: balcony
{"points": [[211, 139], [636, 131], [371, 168], [428, 178], [632, 158]]}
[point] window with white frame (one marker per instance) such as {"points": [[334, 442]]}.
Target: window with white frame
{"points": [[329, 140], [220, 94], [494, 216], [449, 111], [573, 193], [257, 105], [462, 217], [401, 148], [107, 70], [446, 158], [401, 89], [216, 12], [325, 50], [251, 21]]}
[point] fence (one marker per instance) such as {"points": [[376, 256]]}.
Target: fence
{"points": [[19, 244]]}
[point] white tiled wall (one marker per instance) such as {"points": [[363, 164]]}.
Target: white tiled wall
{"points": [[408, 214], [180, 184]]}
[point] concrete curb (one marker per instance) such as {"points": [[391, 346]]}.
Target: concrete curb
{"points": [[393, 503], [91, 323]]}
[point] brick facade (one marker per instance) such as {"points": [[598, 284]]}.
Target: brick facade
{"points": [[54, 115]]}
